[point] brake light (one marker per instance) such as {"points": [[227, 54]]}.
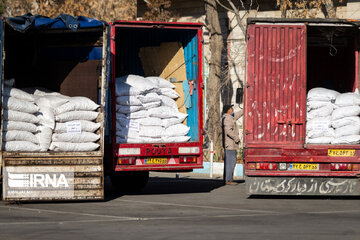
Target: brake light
{"points": [[341, 167], [266, 166], [187, 159], [127, 161], [251, 166]]}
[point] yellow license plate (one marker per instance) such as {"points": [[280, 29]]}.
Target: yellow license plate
{"points": [[304, 166], [341, 152], [156, 161]]}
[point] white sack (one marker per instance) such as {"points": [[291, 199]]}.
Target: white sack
{"points": [[125, 132], [319, 140], [19, 94], [123, 89], [169, 102], [151, 131], [175, 139], [46, 117], [176, 130], [128, 100], [161, 82], [20, 126], [322, 94], [77, 104], [345, 112], [133, 115], [169, 92], [138, 140], [167, 122], [318, 124], [162, 112], [11, 115], [139, 82], [320, 112], [317, 104], [352, 139], [128, 109], [149, 98], [51, 101], [150, 121], [330, 132], [20, 146], [77, 115], [347, 99], [86, 126], [44, 137], [73, 147], [15, 104], [75, 137], [347, 131], [355, 120], [151, 105], [15, 135]]}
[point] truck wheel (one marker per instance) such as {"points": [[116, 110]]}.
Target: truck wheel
{"points": [[129, 181]]}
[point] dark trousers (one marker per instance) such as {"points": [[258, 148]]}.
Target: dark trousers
{"points": [[230, 162]]}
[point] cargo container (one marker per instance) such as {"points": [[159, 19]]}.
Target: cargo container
{"points": [[285, 59], [151, 49], [67, 55]]}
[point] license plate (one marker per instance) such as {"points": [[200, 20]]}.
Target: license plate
{"points": [[156, 161], [341, 152], [304, 166]]}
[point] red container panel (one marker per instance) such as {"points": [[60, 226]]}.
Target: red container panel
{"points": [[275, 93]]}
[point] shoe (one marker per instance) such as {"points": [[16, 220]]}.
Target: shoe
{"points": [[231, 183]]}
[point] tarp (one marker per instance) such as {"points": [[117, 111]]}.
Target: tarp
{"points": [[63, 21]]}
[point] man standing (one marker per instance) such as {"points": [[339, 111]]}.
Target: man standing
{"points": [[231, 141]]}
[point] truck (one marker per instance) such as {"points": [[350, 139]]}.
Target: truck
{"points": [[173, 51], [286, 58], [68, 55]]}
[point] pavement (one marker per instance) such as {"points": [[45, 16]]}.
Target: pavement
{"points": [[187, 206]]}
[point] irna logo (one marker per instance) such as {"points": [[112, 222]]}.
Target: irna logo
{"points": [[37, 180]]}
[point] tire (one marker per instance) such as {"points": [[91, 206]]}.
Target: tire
{"points": [[129, 181]]}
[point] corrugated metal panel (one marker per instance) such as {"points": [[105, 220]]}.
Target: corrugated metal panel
{"points": [[276, 83]]}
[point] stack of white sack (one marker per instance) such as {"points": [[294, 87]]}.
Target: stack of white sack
{"points": [[146, 111], [320, 106], [74, 124], [19, 120], [346, 120]]}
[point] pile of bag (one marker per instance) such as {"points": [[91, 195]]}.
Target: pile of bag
{"points": [[41, 120], [146, 111], [332, 118]]}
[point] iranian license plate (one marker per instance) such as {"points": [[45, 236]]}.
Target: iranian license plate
{"points": [[341, 152], [304, 166], [156, 161]]}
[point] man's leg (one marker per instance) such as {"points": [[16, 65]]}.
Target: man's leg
{"points": [[230, 162]]}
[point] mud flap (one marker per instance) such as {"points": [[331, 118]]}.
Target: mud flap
{"points": [[303, 186]]}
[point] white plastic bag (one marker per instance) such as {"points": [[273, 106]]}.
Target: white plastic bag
{"points": [[149, 98], [128, 109], [15, 104], [347, 131], [77, 104], [128, 101], [320, 112], [15, 135], [319, 140], [123, 89], [19, 94], [355, 121], [73, 147], [176, 130], [169, 102], [75, 137], [11, 115], [44, 138], [20, 126], [169, 92], [162, 112], [77, 115], [161, 82], [322, 94], [20, 146], [139, 82], [352, 139], [347, 99], [86, 126], [345, 112]]}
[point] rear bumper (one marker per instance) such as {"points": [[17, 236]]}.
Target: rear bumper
{"points": [[157, 168], [315, 186]]}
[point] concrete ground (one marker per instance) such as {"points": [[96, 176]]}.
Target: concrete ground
{"points": [[189, 207]]}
